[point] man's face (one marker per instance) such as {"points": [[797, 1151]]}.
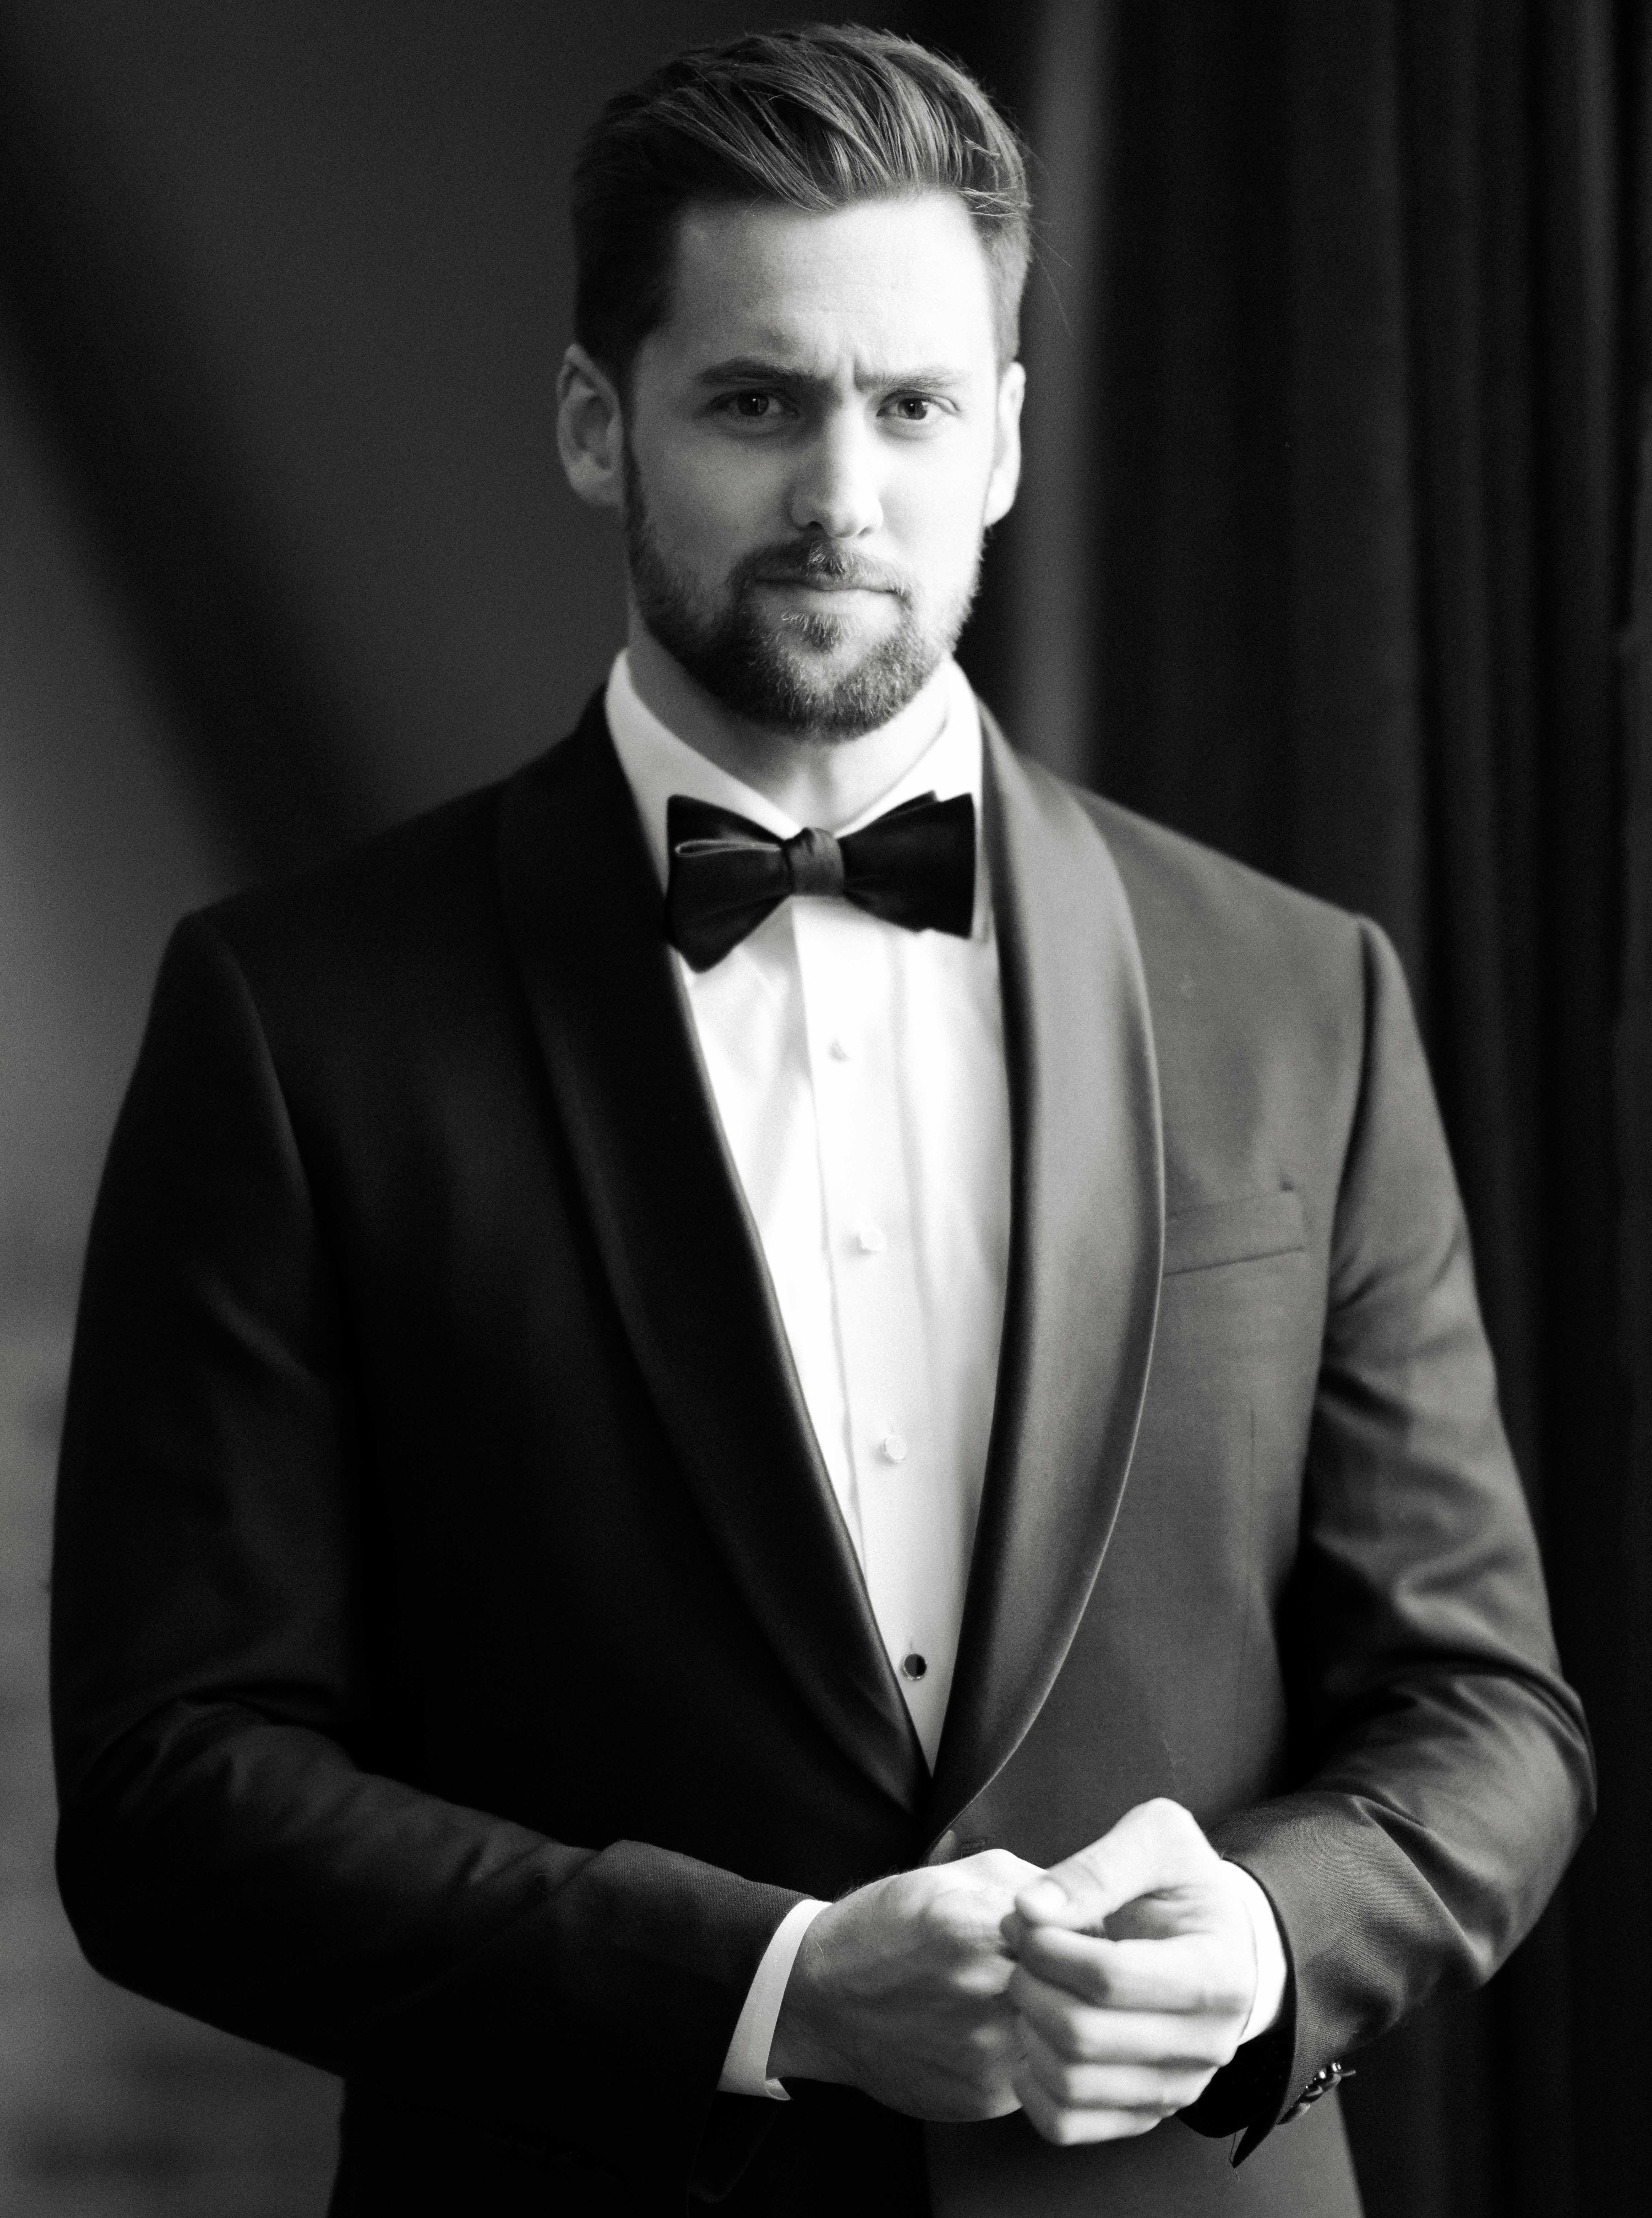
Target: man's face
{"points": [[815, 443]]}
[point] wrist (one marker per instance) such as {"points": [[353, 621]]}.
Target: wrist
{"points": [[802, 2047], [745, 2068], [1267, 1997]]}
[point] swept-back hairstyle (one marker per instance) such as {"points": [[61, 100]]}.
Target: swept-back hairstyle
{"points": [[815, 119]]}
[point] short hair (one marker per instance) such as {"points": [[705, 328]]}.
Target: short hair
{"points": [[816, 119]]}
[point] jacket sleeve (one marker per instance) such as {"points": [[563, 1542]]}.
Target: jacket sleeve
{"points": [[227, 1845], [1445, 1765]]}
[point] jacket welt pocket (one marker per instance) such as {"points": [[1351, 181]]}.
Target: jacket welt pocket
{"points": [[1235, 1232]]}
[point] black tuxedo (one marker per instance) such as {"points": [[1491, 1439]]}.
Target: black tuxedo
{"points": [[437, 1490]]}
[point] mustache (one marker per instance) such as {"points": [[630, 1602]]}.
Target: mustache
{"points": [[816, 561]]}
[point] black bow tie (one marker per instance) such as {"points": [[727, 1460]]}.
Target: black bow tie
{"points": [[915, 867]]}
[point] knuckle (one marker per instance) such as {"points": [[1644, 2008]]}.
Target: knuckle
{"points": [[1214, 1988], [903, 1895], [985, 1977], [941, 1914], [1081, 2033], [1053, 2028], [1048, 2023], [1177, 1827], [1051, 2072], [1067, 2084], [1163, 1812], [1095, 1980]]}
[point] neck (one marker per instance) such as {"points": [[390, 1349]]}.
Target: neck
{"points": [[827, 783]]}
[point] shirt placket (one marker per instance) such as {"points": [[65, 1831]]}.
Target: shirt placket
{"points": [[882, 1343]]}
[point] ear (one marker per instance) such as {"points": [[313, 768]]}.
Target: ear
{"points": [[591, 431], [1006, 444]]}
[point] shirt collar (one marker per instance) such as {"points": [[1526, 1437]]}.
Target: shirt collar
{"points": [[657, 765]]}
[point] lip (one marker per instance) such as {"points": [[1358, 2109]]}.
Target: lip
{"points": [[821, 585]]}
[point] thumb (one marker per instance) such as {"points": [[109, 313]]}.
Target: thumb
{"points": [[1154, 1846]]}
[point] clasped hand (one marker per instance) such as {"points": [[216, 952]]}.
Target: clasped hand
{"points": [[1099, 1996]]}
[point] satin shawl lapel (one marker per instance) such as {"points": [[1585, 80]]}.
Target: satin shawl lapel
{"points": [[583, 914], [1087, 1249]]}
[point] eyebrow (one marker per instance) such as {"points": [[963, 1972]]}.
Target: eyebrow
{"points": [[759, 369]]}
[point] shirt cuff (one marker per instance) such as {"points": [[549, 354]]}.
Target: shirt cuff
{"points": [[745, 2068], [1271, 1969]]}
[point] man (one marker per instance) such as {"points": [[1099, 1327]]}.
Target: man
{"points": [[781, 1483]]}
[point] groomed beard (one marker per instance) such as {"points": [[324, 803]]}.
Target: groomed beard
{"points": [[759, 664]]}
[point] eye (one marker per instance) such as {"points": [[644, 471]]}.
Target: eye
{"points": [[913, 408], [754, 406]]}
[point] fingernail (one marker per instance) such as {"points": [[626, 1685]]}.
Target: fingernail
{"points": [[1044, 1898]]}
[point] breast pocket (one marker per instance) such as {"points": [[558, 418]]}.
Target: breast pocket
{"points": [[1243, 1231], [1231, 1393]]}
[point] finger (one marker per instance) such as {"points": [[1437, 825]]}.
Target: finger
{"points": [[1158, 2088], [970, 1893], [1065, 2127], [959, 1934], [1084, 2035], [981, 1888], [1155, 1845], [1196, 1974]]}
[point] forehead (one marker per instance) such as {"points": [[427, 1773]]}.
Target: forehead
{"points": [[900, 281]]}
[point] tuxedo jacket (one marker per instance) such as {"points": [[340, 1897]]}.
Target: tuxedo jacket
{"points": [[461, 1665]]}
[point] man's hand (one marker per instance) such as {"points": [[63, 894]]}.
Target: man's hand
{"points": [[1136, 1972], [899, 1990]]}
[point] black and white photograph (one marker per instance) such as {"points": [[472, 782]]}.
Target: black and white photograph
{"points": [[826, 1109]]}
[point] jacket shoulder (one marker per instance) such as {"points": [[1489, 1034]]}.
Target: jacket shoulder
{"points": [[392, 900], [1254, 954], [1263, 1002], [1185, 895], [1179, 883]]}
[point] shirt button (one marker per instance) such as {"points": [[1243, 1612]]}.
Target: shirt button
{"points": [[893, 1448], [869, 1240], [913, 1665], [840, 1051]]}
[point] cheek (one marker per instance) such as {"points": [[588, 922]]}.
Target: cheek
{"points": [[937, 542], [937, 506], [712, 503]]}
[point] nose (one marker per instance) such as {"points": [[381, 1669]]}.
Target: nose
{"points": [[836, 489]]}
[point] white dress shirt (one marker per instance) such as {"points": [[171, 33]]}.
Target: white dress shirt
{"points": [[859, 1073]]}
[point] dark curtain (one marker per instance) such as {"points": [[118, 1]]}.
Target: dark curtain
{"points": [[1339, 353]]}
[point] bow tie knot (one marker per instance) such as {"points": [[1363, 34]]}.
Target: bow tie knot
{"points": [[813, 861], [914, 866]]}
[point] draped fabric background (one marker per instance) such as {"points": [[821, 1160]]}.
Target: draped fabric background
{"points": [[1331, 551]]}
